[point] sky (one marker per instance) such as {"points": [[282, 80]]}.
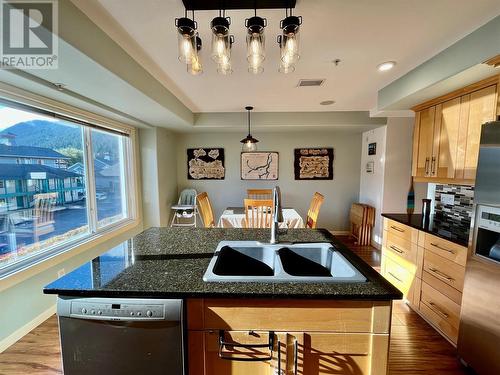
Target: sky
{"points": [[11, 116]]}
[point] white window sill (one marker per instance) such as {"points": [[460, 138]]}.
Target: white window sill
{"points": [[18, 275]]}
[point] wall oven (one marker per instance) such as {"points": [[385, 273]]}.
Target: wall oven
{"points": [[121, 336]]}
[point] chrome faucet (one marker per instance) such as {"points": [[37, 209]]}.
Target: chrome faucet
{"points": [[277, 215]]}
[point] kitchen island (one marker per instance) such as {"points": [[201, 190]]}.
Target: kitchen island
{"points": [[310, 328]]}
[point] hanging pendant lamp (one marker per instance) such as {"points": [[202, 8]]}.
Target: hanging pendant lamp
{"points": [[249, 142]]}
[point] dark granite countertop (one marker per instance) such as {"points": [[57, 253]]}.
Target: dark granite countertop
{"points": [[447, 227], [170, 263]]}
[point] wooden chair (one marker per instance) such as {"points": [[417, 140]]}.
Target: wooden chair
{"points": [[260, 193], [205, 209], [313, 213], [258, 213]]}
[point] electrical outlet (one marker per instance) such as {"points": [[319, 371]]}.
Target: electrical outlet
{"points": [[60, 273], [448, 199]]}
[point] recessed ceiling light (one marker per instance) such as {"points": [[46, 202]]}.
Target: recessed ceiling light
{"points": [[385, 66], [327, 102]]}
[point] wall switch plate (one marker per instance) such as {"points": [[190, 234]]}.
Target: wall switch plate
{"points": [[60, 273], [448, 199]]}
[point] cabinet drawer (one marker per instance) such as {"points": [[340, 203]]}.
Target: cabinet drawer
{"points": [[285, 315], [447, 290], [400, 230], [446, 249], [440, 310], [443, 269], [399, 276], [402, 248]]}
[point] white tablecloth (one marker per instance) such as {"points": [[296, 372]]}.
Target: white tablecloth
{"points": [[235, 218]]}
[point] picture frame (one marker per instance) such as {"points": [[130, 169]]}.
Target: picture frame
{"points": [[313, 163], [259, 165], [372, 148], [205, 163]]}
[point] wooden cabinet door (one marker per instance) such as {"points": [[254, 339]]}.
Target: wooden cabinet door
{"points": [[482, 108], [205, 353], [448, 139], [321, 353], [424, 142]]}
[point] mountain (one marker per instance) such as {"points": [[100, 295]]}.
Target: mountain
{"points": [[57, 136], [48, 134]]}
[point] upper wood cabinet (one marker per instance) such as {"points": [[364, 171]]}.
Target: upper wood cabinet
{"points": [[447, 133]]}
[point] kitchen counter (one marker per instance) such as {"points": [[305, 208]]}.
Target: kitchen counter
{"points": [[442, 226], [170, 263]]}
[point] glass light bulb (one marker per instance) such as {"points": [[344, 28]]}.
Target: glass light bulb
{"points": [[224, 67], [249, 146], [195, 67], [186, 48]]}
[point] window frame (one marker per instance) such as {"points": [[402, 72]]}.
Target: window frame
{"points": [[94, 233]]}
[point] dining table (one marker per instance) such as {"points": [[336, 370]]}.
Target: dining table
{"points": [[234, 217]]}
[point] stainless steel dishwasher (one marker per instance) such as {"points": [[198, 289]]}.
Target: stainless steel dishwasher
{"points": [[121, 336]]}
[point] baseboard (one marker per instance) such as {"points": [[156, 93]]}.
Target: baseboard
{"points": [[27, 328], [376, 245], [340, 232]]}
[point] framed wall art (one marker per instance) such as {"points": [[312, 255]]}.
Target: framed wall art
{"points": [[259, 165], [205, 164], [372, 148], [313, 163]]}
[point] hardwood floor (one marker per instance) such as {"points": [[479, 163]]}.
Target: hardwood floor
{"points": [[415, 348]]}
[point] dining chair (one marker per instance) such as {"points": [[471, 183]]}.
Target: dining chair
{"points": [[258, 213], [205, 208], [260, 193], [313, 213]]}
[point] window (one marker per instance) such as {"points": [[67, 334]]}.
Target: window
{"points": [[77, 187]]}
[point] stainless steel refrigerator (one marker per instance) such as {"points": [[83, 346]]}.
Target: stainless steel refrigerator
{"points": [[479, 333]]}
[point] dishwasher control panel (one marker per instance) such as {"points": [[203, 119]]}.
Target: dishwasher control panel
{"points": [[117, 310], [120, 308]]}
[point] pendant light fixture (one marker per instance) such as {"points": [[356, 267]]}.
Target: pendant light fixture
{"points": [[256, 53], [195, 67], [249, 142], [186, 37], [222, 43], [289, 42]]}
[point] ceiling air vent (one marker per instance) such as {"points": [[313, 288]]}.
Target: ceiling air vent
{"points": [[310, 82]]}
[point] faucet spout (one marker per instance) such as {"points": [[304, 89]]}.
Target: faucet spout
{"points": [[277, 215]]}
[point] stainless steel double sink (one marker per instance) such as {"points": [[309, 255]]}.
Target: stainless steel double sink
{"points": [[252, 261]]}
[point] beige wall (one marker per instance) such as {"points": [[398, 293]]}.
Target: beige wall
{"points": [[339, 193], [159, 175]]}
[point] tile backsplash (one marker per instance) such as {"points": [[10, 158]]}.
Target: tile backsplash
{"points": [[454, 201]]}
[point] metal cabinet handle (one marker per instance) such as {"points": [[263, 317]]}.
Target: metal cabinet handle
{"points": [[440, 274], [437, 310], [269, 345], [398, 229], [433, 166], [426, 166], [279, 357], [442, 248], [397, 278], [295, 357], [396, 249]]}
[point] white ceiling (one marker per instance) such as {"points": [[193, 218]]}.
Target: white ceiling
{"points": [[362, 33]]}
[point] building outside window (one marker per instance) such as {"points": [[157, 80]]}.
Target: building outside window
{"points": [[44, 183]]}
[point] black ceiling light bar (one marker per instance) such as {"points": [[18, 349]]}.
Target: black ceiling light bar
{"points": [[237, 4]]}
